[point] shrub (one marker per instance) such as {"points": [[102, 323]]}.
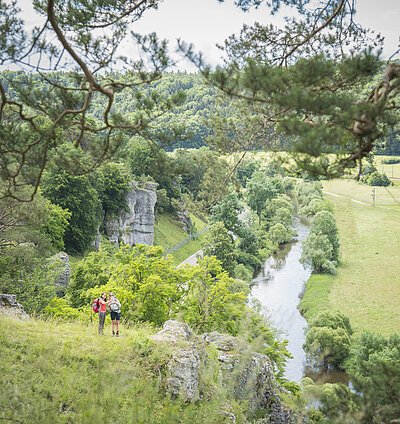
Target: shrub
{"points": [[60, 309], [324, 223], [332, 319], [279, 234], [220, 243], [315, 205], [374, 368], [317, 253], [393, 161], [376, 179], [248, 259], [330, 346], [241, 272], [368, 169], [338, 402]]}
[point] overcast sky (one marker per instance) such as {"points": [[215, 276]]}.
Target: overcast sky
{"points": [[208, 22]]}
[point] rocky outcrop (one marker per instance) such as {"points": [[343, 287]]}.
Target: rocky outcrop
{"points": [[64, 270], [184, 365], [173, 332], [248, 375], [10, 307], [184, 219], [136, 225]]}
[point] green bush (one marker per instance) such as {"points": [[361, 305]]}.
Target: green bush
{"points": [[317, 253], [374, 368], [376, 179], [219, 243], [392, 161], [279, 234], [241, 272], [60, 309], [324, 223], [327, 345], [249, 260], [332, 319], [338, 402]]}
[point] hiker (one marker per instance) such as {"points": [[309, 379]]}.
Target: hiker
{"points": [[102, 312], [115, 307]]}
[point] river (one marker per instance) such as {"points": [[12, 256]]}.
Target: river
{"points": [[278, 287]]}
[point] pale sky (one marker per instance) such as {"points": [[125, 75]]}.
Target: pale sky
{"points": [[208, 22]]}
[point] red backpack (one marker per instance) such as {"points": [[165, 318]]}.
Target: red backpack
{"points": [[96, 305]]}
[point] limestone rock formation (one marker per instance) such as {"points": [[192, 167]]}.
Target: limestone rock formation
{"points": [[64, 270], [222, 342], [184, 365], [173, 332], [10, 307], [249, 375], [136, 225]]}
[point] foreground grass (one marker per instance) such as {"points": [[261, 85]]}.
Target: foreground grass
{"points": [[169, 233], [367, 285], [66, 373]]}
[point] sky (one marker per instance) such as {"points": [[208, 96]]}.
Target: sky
{"points": [[204, 23]]}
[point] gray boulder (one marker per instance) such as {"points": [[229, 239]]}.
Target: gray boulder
{"points": [[222, 342], [10, 307], [173, 332]]}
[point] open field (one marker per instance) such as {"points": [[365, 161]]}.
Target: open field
{"points": [[367, 285], [385, 197]]}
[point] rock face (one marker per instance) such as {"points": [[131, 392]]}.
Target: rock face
{"points": [[136, 226], [10, 307], [62, 279], [184, 365], [247, 375]]}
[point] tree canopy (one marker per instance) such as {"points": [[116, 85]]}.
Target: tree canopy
{"points": [[317, 82]]}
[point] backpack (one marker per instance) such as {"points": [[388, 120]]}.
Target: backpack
{"points": [[96, 305]]}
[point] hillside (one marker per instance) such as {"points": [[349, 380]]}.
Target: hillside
{"points": [[170, 235], [65, 373]]}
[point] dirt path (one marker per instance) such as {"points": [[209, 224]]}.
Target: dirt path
{"points": [[191, 260]]}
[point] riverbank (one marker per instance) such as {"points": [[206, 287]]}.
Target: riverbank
{"points": [[366, 287]]}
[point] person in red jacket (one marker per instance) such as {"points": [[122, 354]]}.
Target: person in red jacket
{"points": [[102, 312]]}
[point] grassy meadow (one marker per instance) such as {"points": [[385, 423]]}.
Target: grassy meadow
{"points": [[169, 233], [385, 197], [65, 373], [367, 284]]}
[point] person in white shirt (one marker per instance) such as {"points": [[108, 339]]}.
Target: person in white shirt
{"points": [[114, 306]]}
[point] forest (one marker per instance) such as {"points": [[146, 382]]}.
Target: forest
{"points": [[264, 193]]}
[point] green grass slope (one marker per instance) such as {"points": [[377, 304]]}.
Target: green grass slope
{"points": [[169, 233], [367, 285], [66, 373]]}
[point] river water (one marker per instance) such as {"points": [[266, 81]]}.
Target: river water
{"points": [[278, 287]]}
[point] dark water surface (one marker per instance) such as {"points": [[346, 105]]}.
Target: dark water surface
{"points": [[278, 287]]}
